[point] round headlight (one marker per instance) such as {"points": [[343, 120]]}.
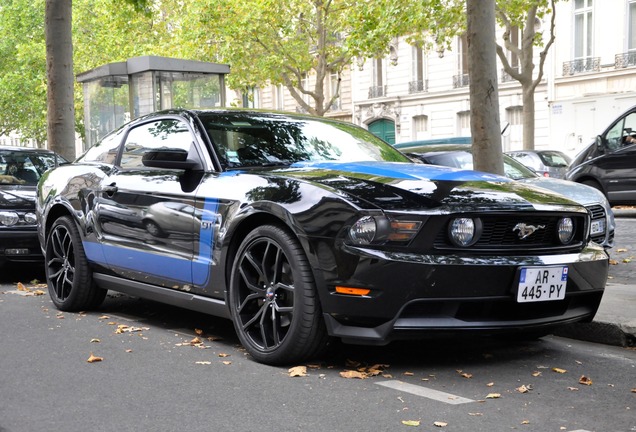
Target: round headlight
{"points": [[8, 218], [30, 218], [565, 230], [363, 231], [463, 231]]}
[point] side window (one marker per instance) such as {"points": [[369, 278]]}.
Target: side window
{"points": [[169, 133], [104, 151], [619, 135]]}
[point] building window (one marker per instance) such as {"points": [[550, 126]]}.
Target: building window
{"points": [[462, 78], [463, 123], [420, 127], [251, 98], [631, 44], [583, 26], [334, 88], [377, 88], [514, 115], [418, 72], [280, 97]]}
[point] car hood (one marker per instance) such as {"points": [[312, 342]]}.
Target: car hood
{"points": [[400, 186], [17, 197], [578, 192]]}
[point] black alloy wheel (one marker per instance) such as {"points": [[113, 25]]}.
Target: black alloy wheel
{"points": [[68, 276], [273, 298]]}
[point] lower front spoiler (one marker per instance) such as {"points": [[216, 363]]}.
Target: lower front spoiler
{"points": [[427, 318]]}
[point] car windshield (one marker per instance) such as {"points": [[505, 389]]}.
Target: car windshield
{"points": [[19, 167], [244, 140], [554, 159], [464, 160]]}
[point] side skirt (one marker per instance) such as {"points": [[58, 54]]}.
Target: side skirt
{"points": [[164, 295]]}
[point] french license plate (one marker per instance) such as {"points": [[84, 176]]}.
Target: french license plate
{"points": [[598, 226], [542, 284]]}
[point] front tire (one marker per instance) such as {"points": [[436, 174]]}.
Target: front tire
{"points": [[68, 276], [273, 300]]}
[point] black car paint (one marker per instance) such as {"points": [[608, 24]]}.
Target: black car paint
{"points": [[414, 288]]}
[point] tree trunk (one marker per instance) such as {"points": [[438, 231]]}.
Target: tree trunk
{"points": [[484, 95], [528, 117], [59, 68]]}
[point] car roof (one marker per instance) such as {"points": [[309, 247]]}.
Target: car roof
{"points": [[25, 149], [416, 147], [434, 141]]}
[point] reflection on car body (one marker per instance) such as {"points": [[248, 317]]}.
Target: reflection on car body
{"points": [[301, 229]]}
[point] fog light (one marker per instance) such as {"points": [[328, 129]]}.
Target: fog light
{"points": [[8, 218], [565, 230], [464, 231]]}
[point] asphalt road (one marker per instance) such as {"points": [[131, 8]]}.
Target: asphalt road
{"points": [[155, 376]]}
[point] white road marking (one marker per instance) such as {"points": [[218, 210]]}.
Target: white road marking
{"points": [[425, 392]]}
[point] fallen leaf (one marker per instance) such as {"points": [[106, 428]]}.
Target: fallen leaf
{"points": [[224, 355], [559, 370], [203, 362], [619, 250], [93, 359], [493, 396], [298, 371], [353, 374], [585, 380], [440, 424], [523, 389], [129, 350], [21, 287], [95, 340], [578, 362], [613, 262], [464, 374], [103, 317], [634, 390], [409, 373], [573, 389], [227, 362], [525, 422], [536, 373], [475, 414], [198, 331], [38, 292], [411, 422], [490, 384]]}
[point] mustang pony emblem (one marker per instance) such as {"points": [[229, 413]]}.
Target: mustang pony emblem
{"points": [[526, 230]]}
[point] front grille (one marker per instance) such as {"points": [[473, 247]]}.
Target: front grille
{"points": [[499, 234]]}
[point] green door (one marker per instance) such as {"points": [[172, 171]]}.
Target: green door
{"points": [[384, 129]]}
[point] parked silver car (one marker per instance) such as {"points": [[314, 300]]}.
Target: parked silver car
{"points": [[546, 163]]}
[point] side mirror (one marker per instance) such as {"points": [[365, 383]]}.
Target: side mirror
{"points": [[171, 158], [600, 144]]}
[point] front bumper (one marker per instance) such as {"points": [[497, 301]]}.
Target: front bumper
{"points": [[20, 246], [415, 295]]}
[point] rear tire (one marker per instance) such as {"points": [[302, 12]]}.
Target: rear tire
{"points": [[273, 299], [68, 276]]}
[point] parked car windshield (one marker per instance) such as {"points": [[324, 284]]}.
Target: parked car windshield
{"points": [[554, 159], [244, 140], [18, 167]]}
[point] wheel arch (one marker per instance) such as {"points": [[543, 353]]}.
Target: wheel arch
{"points": [[57, 211]]}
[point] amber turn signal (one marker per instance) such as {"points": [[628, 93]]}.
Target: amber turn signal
{"points": [[352, 291]]}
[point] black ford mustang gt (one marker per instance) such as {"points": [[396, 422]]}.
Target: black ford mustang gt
{"points": [[300, 229]]}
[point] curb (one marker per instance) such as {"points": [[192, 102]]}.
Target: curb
{"points": [[599, 332]]}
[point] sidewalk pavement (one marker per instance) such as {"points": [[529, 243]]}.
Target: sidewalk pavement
{"points": [[615, 321]]}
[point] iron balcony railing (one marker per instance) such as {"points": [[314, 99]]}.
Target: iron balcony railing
{"points": [[418, 86], [461, 80], [377, 91], [590, 64], [625, 59]]}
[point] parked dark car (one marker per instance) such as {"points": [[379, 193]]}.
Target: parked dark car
{"points": [[460, 156], [20, 170], [546, 163], [311, 228], [609, 164]]}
